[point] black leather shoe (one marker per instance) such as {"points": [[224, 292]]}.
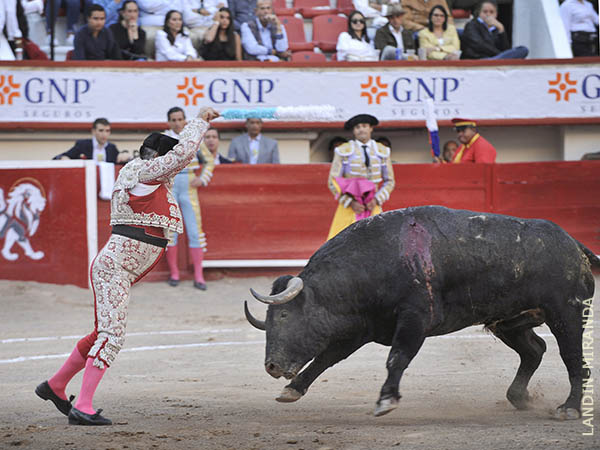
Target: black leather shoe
{"points": [[201, 286], [172, 282], [45, 392], [77, 417]]}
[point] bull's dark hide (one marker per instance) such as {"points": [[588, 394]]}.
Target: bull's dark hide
{"points": [[404, 275]]}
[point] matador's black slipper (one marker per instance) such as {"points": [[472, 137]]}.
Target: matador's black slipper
{"points": [[45, 392], [77, 417]]}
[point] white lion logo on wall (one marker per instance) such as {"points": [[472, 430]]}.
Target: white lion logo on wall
{"points": [[20, 217]]}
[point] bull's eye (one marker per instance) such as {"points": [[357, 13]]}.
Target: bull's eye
{"points": [[283, 314]]}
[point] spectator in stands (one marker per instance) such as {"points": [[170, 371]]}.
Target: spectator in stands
{"points": [[73, 8], [393, 39], [417, 13], [130, 37], [354, 44], [581, 25], [448, 151], [440, 39], [375, 11], [8, 19], [93, 41], [474, 148], [264, 38], [221, 41], [113, 9], [97, 148], [153, 12], [24, 48], [172, 44], [185, 191], [253, 147], [485, 38], [211, 141], [242, 11], [199, 15]]}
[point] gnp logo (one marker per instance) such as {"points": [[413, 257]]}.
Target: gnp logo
{"points": [[8, 89], [407, 90], [563, 86], [230, 91], [43, 91]]}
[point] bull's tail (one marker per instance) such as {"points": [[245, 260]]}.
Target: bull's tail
{"points": [[591, 256]]}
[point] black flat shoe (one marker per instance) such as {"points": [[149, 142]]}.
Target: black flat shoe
{"points": [[172, 282], [45, 392], [77, 417], [201, 286]]}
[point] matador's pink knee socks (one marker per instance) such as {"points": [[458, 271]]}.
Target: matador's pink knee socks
{"points": [[74, 363], [197, 257], [172, 262], [91, 380]]}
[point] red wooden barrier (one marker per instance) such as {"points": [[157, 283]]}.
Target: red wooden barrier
{"points": [[284, 211], [43, 225]]}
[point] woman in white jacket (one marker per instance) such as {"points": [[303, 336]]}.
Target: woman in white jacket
{"points": [[172, 44], [354, 44]]}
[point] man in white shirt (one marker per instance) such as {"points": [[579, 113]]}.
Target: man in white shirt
{"points": [[581, 22], [253, 147], [375, 11], [8, 18]]}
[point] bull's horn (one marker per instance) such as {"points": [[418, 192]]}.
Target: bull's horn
{"points": [[293, 288], [260, 324]]}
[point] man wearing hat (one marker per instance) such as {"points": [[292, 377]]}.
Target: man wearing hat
{"points": [[474, 148], [143, 211], [361, 160], [393, 39], [375, 11]]}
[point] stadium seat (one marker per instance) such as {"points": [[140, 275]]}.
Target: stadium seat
{"points": [[294, 27], [461, 13], [326, 30], [69, 55], [313, 8], [345, 6], [308, 56], [280, 8]]}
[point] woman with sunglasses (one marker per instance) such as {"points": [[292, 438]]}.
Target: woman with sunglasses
{"points": [[440, 39], [354, 44]]}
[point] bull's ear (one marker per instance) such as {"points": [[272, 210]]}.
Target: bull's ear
{"points": [[253, 320]]}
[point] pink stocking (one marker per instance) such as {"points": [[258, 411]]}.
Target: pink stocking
{"points": [[74, 363], [91, 380], [172, 262], [197, 257]]}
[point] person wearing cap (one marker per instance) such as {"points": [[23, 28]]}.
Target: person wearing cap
{"points": [[392, 39], [375, 11], [143, 212], [361, 158], [185, 191], [474, 148]]}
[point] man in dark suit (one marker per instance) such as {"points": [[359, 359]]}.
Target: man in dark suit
{"points": [[393, 39], [485, 37], [97, 148], [253, 147]]}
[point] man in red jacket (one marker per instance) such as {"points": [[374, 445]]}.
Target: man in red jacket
{"points": [[474, 148]]}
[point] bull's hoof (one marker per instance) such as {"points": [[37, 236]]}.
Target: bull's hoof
{"points": [[288, 395], [519, 400], [385, 406], [563, 413]]}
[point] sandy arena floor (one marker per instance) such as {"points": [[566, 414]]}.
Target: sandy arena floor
{"points": [[192, 377]]}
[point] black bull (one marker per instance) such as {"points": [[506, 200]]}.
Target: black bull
{"points": [[402, 276]]}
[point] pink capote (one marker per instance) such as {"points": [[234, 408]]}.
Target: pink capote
{"points": [[361, 189]]}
